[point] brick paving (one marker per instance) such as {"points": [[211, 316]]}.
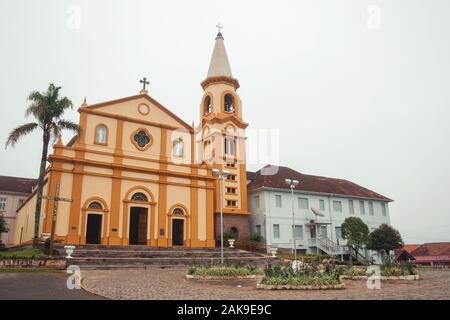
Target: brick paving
{"points": [[170, 283]]}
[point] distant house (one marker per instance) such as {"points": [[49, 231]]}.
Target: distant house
{"points": [[13, 193], [403, 255], [436, 253]]}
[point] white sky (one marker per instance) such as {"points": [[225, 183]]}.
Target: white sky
{"points": [[368, 105]]}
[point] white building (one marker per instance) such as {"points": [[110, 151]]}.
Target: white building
{"points": [[320, 207]]}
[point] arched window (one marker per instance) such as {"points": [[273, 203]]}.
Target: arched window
{"points": [[95, 205], [178, 147], [234, 232], [178, 212], [229, 103], [100, 134], [207, 105], [229, 146], [139, 196]]}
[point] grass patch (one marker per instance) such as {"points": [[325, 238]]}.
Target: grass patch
{"points": [[27, 253], [226, 271]]}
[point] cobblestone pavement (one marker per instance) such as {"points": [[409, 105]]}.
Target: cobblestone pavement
{"points": [[170, 283], [38, 286]]}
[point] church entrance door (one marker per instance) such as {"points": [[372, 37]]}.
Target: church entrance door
{"points": [[138, 225], [94, 229], [177, 232]]}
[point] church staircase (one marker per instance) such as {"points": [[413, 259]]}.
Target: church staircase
{"points": [[140, 257]]}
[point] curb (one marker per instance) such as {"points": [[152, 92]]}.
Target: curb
{"points": [[294, 287]]}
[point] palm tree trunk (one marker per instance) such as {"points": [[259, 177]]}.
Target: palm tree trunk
{"points": [[39, 193]]}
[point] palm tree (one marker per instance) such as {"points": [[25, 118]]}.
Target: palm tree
{"points": [[48, 108]]}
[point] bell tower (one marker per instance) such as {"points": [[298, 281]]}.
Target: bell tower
{"points": [[221, 139]]}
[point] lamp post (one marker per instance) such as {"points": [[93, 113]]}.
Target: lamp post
{"points": [[221, 175], [292, 184]]}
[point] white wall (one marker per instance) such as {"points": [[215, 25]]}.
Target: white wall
{"points": [[269, 214]]}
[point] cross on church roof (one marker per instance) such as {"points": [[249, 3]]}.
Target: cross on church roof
{"points": [[144, 82]]}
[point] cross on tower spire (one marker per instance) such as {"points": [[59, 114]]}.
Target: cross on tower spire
{"points": [[219, 28]]}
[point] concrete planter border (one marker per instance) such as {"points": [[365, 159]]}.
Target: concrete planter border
{"points": [[296, 287], [408, 277], [56, 264], [197, 277]]}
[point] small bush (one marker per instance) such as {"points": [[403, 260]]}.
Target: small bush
{"points": [[355, 272], [255, 237], [27, 253]]}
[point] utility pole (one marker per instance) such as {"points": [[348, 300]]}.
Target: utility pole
{"points": [[55, 198]]}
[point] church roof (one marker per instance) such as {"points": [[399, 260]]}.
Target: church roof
{"points": [[274, 177], [219, 65], [15, 184]]}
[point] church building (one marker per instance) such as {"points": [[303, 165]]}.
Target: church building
{"points": [[137, 174]]}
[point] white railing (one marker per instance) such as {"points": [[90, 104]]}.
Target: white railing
{"points": [[327, 245]]}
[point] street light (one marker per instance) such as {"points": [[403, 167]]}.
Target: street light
{"points": [[222, 175], [292, 184]]}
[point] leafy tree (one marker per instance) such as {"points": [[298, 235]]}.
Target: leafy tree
{"points": [[356, 232], [47, 108], [385, 239]]}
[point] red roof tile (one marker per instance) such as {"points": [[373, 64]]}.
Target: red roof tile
{"points": [[411, 247], [15, 184], [274, 176], [432, 249]]}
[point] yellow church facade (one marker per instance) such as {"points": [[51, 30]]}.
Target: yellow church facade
{"points": [[137, 174]]}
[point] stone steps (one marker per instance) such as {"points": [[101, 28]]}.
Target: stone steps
{"points": [[155, 254], [139, 257], [106, 263]]}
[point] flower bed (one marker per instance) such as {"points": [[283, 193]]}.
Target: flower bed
{"points": [[301, 282], [308, 277], [387, 272], [223, 273]]}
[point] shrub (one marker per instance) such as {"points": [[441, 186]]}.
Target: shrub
{"points": [[26, 253], [355, 272], [396, 270], [255, 237]]}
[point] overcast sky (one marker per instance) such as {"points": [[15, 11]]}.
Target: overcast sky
{"points": [[356, 89]]}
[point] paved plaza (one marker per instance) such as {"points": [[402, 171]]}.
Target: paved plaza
{"points": [[170, 283], [39, 286]]}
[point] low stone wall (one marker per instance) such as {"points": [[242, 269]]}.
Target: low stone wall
{"points": [[197, 277], [409, 277], [294, 287], [57, 264]]}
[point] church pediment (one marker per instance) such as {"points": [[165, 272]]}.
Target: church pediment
{"points": [[140, 108]]}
